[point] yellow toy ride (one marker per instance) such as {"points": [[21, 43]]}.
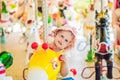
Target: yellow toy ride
{"points": [[44, 64]]}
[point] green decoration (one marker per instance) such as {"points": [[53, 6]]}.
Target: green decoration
{"points": [[49, 19], [6, 58], [39, 14], [90, 55], [13, 6], [4, 8], [2, 36]]}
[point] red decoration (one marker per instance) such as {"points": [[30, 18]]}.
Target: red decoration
{"points": [[45, 46], [51, 48], [116, 4], [103, 48], [73, 71], [60, 58], [34, 45]]}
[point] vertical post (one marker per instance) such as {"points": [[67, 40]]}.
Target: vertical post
{"points": [[0, 6], [101, 5], [45, 19], [36, 10], [90, 2]]}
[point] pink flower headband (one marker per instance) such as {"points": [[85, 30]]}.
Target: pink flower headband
{"points": [[67, 28]]}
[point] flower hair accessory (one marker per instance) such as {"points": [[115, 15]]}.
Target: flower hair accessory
{"points": [[66, 28]]}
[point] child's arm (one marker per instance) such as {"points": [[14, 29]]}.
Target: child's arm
{"points": [[64, 67]]}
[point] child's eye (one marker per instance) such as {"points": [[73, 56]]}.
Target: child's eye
{"points": [[62, 36], [66, 40]]}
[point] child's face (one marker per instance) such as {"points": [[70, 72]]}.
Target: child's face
{"points": [[63, 39]]}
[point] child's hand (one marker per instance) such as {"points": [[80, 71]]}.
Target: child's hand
{"points": [[63, 58]]}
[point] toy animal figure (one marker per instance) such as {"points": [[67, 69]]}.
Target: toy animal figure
{"points": [[30, 10], [69, 15], [25, 11], [89, 24], [62, 7], [59, 15], [44, 63], [20, 11], [102, 26], [5, 12], [103, 46], [11, 5]]}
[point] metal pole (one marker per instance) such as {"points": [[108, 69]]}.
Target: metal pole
{"points": [[45, 19], [36, 11], [101, 5], [90, 2], [0, 6]]}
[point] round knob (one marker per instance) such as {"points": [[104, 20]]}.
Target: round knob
{"points": [[45, 46], [34, 45]]}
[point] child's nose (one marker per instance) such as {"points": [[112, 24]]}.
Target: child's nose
{"points": [[61, 40]]}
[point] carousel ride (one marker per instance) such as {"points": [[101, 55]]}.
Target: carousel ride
{"points": [[58, 17], [103, 48]]}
